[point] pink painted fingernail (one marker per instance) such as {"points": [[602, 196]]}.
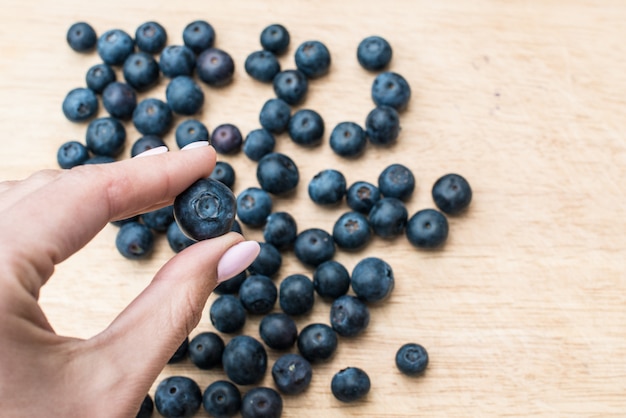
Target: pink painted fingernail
{"points": [[237, 259], [195, 144], [153, 151]]}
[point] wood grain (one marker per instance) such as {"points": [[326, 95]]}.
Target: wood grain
{"points": [[523, 311]]}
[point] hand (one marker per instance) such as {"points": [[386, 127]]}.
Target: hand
{"points": [[49, 216]]}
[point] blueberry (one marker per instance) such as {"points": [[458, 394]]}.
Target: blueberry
{"points": [[258, 143], [232, 285], [317, 342], [292, 373], [190, 130], [120, 222], [391, 89], [291, 86], [236, 227], [278, 330], [306, 127], [412, 359], [350, 384], [177, 240], [206, 209], [349, 316], [313, 59], [372, 279], [452, 194], [205, 350], [221, 399], [159, 220], [184, 96], [215, 67], [280, 230], [150, 37], [327, 187], [314, 246], [180, 353], [146, 409], [134, 240], [261, 402], [296, 295], [396, 181], [382, 125], [81, 37], [388, 217], [105, 136], [427, 228], [99, 76], [244, 360], [226, 139], [275, 38], [262, 66], [141, 71], [253, 206], [275, 115], [177, 60], [267, 262], [352, 231], [100, 159], [114, 46], [146, 143], [224, 173], [119, 99], [258, 294], [374, 53], [178, 397], [80, 104], [199, 35], [152, 117], [348, 139], [71, 154], [331, 279], [227, 314], [361, 196], [277, 173]]}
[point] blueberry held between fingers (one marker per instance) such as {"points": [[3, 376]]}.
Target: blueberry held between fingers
{"points": [[99, 76], [244, 360], [215, 67], [119, 99], [312, 58], [372, 279], [80, 104], [396, 180], [199, 35], [391, 89], [350, 384], [114, 46], [349, 316], [150, 37], [71, 154], [412, 359], [81, 37], [178, 397], [382, 125], [374, 53], [221, 399], [275, 38], [427, 228], [292, 373], [261, 402], [452, 194], [105, 136]]}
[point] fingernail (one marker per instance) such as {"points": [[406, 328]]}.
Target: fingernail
{"points": [[237, 259], [195, 144], [153, 151]]}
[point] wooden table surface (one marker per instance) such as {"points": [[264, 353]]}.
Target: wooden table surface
{"points": [[523, 311]]}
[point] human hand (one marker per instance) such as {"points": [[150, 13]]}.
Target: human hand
{"points": [[46, 218]]}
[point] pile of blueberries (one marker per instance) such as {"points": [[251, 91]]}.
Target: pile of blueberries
{"points": [[375, 209]]}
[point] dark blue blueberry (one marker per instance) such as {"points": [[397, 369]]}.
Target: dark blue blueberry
{"points": [[352, 231], [391, 89], [177, 240], [177, 60], [236, 227], [348, 139], [100, 159], [306, 127], [106, 136], [350, 384], [258, 294], [313, 59], [296, 295], [374, 53], [224, 173], [278, 330], [232, 285], [382, 125], [275, 115], [428, 228], [80, 104], [268, 261], [141, 71], [258, 143], [280, 230], [314, 246], [99, 76], [349, 316], [221, 399], [412, 359], [159, 220], [331, 279], [292, 373], [452, 194], [388, 217], [275, 38], [261, 402], [147, 408], [184, 96], [253, 206], [178, 397], [327, 187], [215, 67], [114, 46], [361, 196], [277, 173], [317, 342], [134, 240], [205, 350], [262, 66], [152, 117], [244, 360], [199, 35], [81, 37], [372, 279], [150, 37], [206, 209], [180, 353], [191, 130], [227, 314], [146, 143], [291, 86], [120, 100], [71, 154], [226, 139], [396, 181]]}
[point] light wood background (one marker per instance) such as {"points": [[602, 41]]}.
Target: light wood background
{"points": [[524, 310]]}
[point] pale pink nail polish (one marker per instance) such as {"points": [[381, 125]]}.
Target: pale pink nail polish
{"points": [[153, 151], [237, 259], [195, 144]]}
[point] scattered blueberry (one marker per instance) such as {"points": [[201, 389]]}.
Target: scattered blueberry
{"points": [[141, 71], [388, 217], [134, 240], [296, 295], [177, 240], [314, 246], [215, 67], [277, 173], [190, 130], [258, 143], [147, 408], [292, 373], [268, 261], [258, 294], [99, 76], [253, 206], [350, 384], [361, 196], [261, 402], [106, 136], [226, 139], [278, 330], [114, 46], [232, 285], [100, 159], [205, 350], [244, 360], [80, 104], [177, 60], [372, 279], [150, 37], [382, 125], [81, 37], [275, 38], [391, 89], [412, 359], [306, 127], [180, 353], [120, 100], [348, 139], [177, 397], [396, 181], [227, 314], [262, 66], [199, 35], [349, 316], [71, 154], [146, 143], [159, 220], [224, 173], [275, 115], [184, 96], [152, 117], [331, 279], [427, 228], [280, 230], [327, 187], [452, 194], [221, 399], [312, 58], [291, 86], [317, 342], [374, 53], [352, 231]]}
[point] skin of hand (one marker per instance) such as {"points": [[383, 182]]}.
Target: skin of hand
{"points": [[46, 218]]}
